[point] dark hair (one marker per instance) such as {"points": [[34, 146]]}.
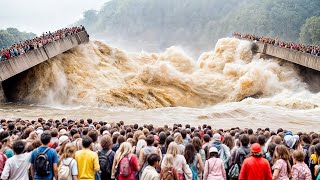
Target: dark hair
{"points": [[54, 133], [152, 159], [244, 139], [73, 132], [197, 143], [18, 146], [183, 133], [86, 141], [253, 139], [168, 141], [89, 121], [306, 139], [189, 153], [250, 131], [162, 138], [206, 138], [45, 138], [271, 148], [150, 140], [93, 134], [261, 140], [214, 154], [121, 139]]}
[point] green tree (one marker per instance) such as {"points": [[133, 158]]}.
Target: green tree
{"points": [[310, 31]]}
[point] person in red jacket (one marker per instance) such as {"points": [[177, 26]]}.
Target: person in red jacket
{"points": [[255, 167]]}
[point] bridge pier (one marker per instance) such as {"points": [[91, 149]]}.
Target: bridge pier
{"points": [[2, 95]]}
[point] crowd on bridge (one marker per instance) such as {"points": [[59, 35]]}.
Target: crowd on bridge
{"points": [[85, 149], [23, 47], [311, 49]]}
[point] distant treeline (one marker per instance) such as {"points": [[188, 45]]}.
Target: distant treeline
{"points": [[198, 24], [11, 36]]}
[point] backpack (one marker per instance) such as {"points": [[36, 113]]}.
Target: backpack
{"points": [[148, 151], [64, 171], [168, 174], [105, 161], [123, 168], [193, 168], [234, 171], [42, 165]]}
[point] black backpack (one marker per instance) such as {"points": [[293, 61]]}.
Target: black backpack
{"points": [[105, 161], [42, 165]]}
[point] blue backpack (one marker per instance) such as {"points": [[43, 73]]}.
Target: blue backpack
{"points": [[193, 168]]}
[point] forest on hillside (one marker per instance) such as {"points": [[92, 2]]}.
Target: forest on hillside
{"points": [[197, 25], [11, 36]]}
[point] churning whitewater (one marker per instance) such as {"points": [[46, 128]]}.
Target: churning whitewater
{"points": [[98, 75], [227, 87]]}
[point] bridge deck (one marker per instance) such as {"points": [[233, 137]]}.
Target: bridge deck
{"points": [[297, 57], [16, 65]]}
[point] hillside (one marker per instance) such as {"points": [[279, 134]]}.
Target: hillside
{"points": [[196, 25], [10, 36]]}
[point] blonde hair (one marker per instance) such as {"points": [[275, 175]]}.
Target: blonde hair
{"points": [[173, 149], [178, 138], [124, 149], [68, 151], [168, 161]]}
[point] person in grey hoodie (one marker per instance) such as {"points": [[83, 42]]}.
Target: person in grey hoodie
{"points": [[16, 168]]}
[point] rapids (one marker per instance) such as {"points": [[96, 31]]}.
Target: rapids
{"points": [[229, 86]]}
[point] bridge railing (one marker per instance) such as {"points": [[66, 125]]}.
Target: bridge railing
{"points": [[32, 58]]}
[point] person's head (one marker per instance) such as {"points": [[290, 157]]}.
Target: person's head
{"points": [[244, 139], [261, 140], [45, 138], [69, 150], [153, 160], [93, 134], [18, 146], [189, 153], [281, 152], [228, 141], [124, 149], [197, 143], [298, 156], [253, 139], [168, 161], [173, 149], [106, 142], [206, 138], [277, 140], [86, 141], [213, 151], [178, 138], [305, 139], [271, 148], [162, 138], [256, 150], [217, 137], [150, 140], [317, 149]]}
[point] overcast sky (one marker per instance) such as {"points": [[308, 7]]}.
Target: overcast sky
{"points": [[43, 15]]}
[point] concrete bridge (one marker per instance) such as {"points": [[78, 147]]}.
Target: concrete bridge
{"points": [[16, 65], [297, 57]]}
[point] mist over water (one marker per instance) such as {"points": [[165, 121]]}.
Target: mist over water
{"points": [[98, 75], [228, 83]]}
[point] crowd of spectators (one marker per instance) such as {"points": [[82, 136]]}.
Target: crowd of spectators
{"points": [[23, 47], [84, 149], [310, 49]]}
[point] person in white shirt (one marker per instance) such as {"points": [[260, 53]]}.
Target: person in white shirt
{"points": [[150, 172], [16, 168]]}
